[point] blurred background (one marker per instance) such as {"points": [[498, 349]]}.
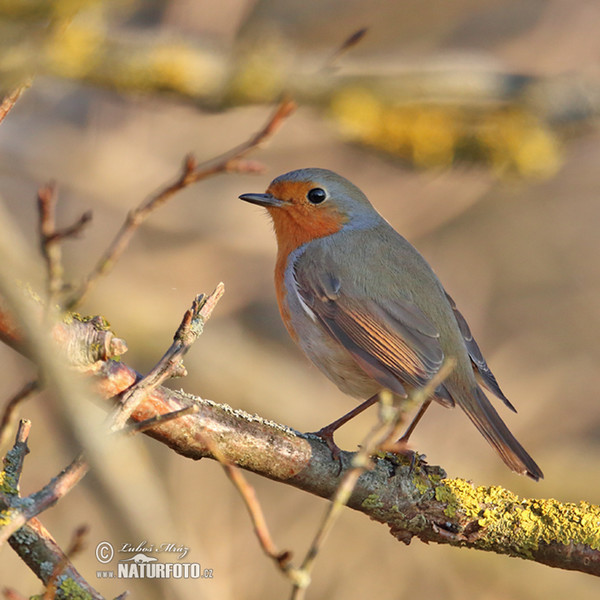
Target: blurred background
{"points": [[471, 125]]}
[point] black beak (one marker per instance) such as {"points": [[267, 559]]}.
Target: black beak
{"points": [[261, 199]]}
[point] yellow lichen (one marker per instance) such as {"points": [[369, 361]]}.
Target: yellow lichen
{"points": [[423, 485], [522, 524], [372, 501]]}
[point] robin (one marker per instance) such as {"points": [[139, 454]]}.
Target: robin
{"points": [[368, 310]]}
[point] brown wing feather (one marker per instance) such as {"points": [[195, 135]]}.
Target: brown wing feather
{"points": [[396, 348]]}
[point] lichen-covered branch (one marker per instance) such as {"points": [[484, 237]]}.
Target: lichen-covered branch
{"points": [[414, 501]]}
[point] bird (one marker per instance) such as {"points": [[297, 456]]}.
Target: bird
{"points": [[368, 310]]}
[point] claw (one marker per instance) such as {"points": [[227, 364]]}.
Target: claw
{"points": [[401, 447], [326, 434]]}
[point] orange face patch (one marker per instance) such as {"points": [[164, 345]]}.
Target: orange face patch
{"points": [[298, 221]]}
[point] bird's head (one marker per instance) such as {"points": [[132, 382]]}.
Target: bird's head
{"points": [[311, 203]]}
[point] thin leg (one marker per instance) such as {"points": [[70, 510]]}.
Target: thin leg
{"points": [[326, 433], [404, 439]]}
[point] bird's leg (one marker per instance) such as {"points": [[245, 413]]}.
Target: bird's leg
{"points": [[326, 433], [402, 443]]}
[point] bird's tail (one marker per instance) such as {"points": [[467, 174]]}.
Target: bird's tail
{"points": [[494, 430]]}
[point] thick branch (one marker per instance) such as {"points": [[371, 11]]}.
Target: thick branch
{"points": [[413, 501]]}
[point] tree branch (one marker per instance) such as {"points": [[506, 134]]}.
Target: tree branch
{"points": [[412, 500], [36, 546], [51, 238]]}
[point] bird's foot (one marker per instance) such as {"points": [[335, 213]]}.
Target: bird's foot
{"points": [[400, 447], [326, 434]]}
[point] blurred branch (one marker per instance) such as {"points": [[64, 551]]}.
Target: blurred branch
{"points": [[428, 116], [346, 45], [11, 99], [232, 161], [413, 501]]}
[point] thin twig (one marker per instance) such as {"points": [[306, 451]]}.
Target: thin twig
{"points": [[190, 173], [160, 419], [10, 409], [51, 238], [13, 461], [51, 251], [9, 101], [259, 523], [379, 434], [187, 333], [346, 45]]}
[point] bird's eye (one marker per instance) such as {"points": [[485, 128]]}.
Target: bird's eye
{"points": [[316, 195]]}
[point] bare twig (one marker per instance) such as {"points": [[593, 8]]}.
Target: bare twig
{"points": [[191, 327], [259, 523], [9, 101], [13, 461], [10, 409], [380, 434], [51, 238], [232, 161], [51, 250], [154, 421], [346, 45]]}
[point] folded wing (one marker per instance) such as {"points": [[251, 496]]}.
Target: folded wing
{"points": [[393, 343]]}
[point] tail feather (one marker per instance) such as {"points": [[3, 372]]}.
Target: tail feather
{"points": [[494, 430]]}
